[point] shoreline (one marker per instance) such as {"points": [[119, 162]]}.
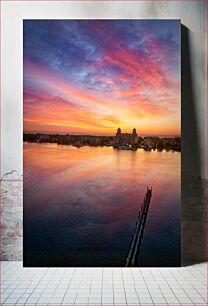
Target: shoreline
{"points": [[119, 141], [104, 146]]}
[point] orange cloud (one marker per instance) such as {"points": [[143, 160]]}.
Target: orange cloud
{"points": [[62, 107]]}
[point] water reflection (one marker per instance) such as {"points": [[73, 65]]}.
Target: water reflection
{"points": [[80, 205]]}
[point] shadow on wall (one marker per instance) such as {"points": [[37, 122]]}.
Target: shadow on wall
{"points": [[194, 200]]}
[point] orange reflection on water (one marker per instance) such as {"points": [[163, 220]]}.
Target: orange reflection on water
{"points": [[95, 173]]}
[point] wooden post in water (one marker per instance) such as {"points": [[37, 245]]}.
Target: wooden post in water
{"points": [[139, 230]]}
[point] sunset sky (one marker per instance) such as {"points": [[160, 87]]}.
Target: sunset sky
{"points": [[93, 76]]}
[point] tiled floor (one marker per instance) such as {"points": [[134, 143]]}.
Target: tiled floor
{"points": [[107, 286]]}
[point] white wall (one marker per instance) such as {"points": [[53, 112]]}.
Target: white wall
{"points": [[191, 13]]}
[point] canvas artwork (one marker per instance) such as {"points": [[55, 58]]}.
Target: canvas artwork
{"points": [[102, 143]]}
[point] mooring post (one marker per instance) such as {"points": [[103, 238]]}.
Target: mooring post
{"points": [[139, 229]]}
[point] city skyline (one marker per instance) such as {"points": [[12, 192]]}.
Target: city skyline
{"points": [[97, 75], [91, 134]]}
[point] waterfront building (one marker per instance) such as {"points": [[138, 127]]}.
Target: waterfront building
{"points": [[126, 138]]}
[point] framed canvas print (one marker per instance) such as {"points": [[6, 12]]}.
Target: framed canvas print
{"points": [[102, 145]]}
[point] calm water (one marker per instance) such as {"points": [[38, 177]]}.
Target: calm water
{"points": [[81, 205]]}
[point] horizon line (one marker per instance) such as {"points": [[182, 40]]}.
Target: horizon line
{"points": [[89, 134]]}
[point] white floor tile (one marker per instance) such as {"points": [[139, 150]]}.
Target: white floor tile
{"points": [[32, 300], [132, 300], [69, 300], [107, 298], [81, 301]]}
